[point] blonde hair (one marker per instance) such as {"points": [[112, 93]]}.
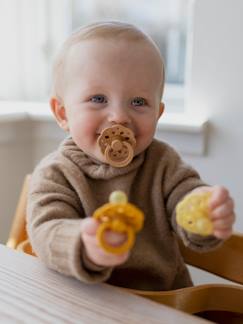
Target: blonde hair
{"points": [[104, 29]]}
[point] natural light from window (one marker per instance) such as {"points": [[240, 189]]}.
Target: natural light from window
{"points": [[31, 32]]}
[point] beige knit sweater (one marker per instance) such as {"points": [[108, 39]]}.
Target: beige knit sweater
{"points": [[68, 186]]}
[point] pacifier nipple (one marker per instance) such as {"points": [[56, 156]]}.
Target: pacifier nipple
{"points": [[117, 144]]}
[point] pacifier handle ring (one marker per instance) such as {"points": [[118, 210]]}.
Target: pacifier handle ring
{"points": [[126, 246], [119, 163]]}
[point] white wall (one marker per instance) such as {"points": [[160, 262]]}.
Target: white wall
{"points": [[15, 160], [216, 91], [23, 142]]}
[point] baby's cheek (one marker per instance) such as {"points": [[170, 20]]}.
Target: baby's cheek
{"points": [[82, 128], [148, 134], [81, 139]]}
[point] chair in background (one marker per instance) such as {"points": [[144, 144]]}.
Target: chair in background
{"points": [[222, 303], [18, 237]]}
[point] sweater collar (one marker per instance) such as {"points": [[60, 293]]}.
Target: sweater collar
{"points": [[92, 167]]}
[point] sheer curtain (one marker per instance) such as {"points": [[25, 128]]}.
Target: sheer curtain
{"points": [[30, 32]]}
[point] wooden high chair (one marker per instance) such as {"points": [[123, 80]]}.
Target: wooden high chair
{"points": [[18, 237], [222, 303]]}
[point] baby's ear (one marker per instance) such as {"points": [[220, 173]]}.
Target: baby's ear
{"points": [[161, 109], [59, 112]]}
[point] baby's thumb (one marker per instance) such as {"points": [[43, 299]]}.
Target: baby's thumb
{"points": [[89, 226]]}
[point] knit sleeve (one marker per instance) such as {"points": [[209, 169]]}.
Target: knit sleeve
{"points": [[54, 216], [179, 180]]}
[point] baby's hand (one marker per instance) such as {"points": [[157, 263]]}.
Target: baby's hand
{"points": [[94, 252], [221, 207]]}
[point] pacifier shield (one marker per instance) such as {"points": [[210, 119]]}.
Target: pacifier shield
{"points": [[117, 144]]}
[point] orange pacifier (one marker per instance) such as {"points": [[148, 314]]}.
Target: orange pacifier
{"points": [[117, 144], [120, 216]]}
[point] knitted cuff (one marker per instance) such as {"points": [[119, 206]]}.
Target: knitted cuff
{"points": [[67, 254]]}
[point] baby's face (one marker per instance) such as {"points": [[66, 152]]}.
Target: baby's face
{"points": [[111, 82]]}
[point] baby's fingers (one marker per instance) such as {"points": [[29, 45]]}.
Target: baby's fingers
{"points": [[224, 223], [223, 234], [89, 226], [223, 210], [93, 249], [219, 196], [99, 256], [114, 238], [106, 259]]}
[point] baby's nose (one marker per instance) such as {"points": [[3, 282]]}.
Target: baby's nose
{"points": [[119, 115]]}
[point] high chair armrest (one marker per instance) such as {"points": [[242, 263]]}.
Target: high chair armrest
{"points": [[225, 261]]}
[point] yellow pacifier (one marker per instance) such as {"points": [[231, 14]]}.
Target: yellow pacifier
{"points": [[117, 144], [119, 216], [192, 214]]}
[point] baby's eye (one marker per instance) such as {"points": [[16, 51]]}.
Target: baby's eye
{"points": [[138, 101], [98, 99]]}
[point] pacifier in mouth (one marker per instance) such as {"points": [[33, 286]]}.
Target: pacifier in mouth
{"points": [[117, 144]]}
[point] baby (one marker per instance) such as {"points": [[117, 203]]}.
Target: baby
{"points": [[111, 74]]}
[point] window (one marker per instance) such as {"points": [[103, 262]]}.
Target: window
{"points": [[33, 30], [164, 20]]}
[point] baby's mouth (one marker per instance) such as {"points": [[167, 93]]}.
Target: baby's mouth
{"points": [[117, 145]]}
